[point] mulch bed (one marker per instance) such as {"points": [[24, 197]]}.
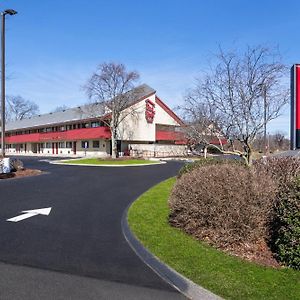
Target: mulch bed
{"points": [[21, 173], [259, 253]]}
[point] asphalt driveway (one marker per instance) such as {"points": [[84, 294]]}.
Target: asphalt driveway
{"points": [[81, 240]]}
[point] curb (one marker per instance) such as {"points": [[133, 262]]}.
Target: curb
{"points": [[172, 277], [60, 162]]}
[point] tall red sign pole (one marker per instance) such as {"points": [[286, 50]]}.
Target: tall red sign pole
{"points": [[295, 107]]}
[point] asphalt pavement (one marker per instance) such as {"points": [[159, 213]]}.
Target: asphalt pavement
{"points": [[78, 251]]}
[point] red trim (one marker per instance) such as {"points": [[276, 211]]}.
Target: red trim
{"points": [[162, 135], [76, 134], [168, 110], [217, 142]]}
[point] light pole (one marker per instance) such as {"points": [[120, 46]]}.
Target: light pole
{"points": [[10, 12], [265, 121]]}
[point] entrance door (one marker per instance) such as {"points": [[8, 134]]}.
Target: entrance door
{"points": [[74, 147], [34, 148]]}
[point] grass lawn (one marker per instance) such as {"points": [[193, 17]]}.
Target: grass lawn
{"points": [[225, 275], [97, 161]]}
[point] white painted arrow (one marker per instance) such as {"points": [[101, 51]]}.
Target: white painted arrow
{"points": [[30, 213]]}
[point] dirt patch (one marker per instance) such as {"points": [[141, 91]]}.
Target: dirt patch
{"points": [[21, 173]]}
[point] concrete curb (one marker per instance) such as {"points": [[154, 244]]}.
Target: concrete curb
{"points": [[178, 281], [61, 162]]}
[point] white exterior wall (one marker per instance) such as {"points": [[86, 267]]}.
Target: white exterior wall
{"points": [[136, 128], [101, 151], [157, 150]]}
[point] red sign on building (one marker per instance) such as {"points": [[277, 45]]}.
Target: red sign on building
{"points": [[150, 111]]}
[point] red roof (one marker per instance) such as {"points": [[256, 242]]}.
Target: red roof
{"points": [[70, 135]]}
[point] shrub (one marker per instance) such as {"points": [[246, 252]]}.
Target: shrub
{"points": [[286, 227], [282, 169], [204, 162], [224, 205]]}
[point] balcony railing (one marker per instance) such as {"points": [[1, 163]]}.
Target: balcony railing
{"points": [[70, 135]]}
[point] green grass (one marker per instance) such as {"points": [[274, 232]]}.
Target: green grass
{"points": [[97, 161], [223, 274]]}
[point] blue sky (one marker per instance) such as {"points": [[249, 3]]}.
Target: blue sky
{"points": [[54, 46]]}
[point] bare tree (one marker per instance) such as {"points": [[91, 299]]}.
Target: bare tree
{"points": [[18, 108], [241, 93], [109, 88], [279, 139]]}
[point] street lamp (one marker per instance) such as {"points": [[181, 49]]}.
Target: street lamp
{"points": [[266, 147], [10, 12]]}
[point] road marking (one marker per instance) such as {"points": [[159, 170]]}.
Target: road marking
{"points": [[30, 213]]}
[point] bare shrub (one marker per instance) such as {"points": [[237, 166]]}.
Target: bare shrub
{"points": [[282, 169], [206, 161], [226, 205]]}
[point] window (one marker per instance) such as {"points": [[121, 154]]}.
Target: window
{"points": [[96, 144], [61, 145], [69, 145], [85, 144], [95, 124], [48, 145]]}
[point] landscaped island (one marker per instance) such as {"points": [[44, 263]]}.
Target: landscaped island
{"points": [[112, 162], [240, 242], [14, 168]]}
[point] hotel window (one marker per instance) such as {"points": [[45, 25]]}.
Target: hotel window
{"points": [[96, 144], [69, 145], [61, 144], [85, 144], [95, 124]]}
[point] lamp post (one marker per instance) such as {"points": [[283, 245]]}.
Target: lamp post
{"points": [[266, 148], [10, 12]]}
